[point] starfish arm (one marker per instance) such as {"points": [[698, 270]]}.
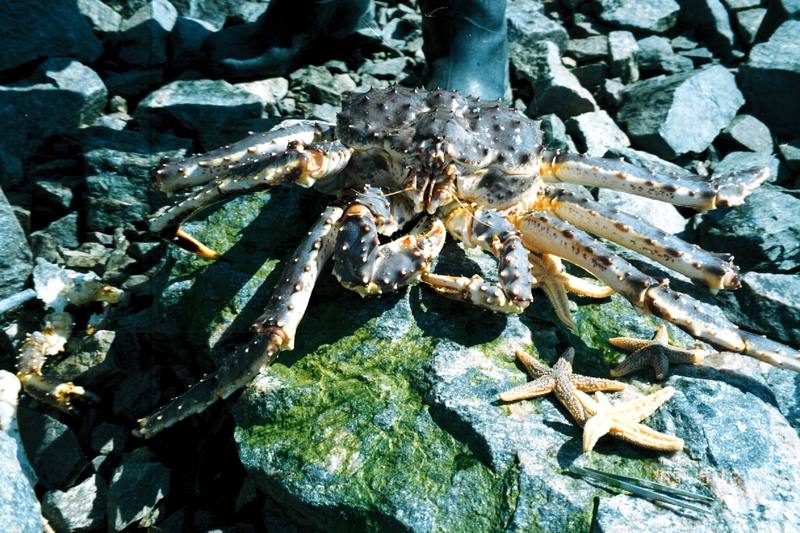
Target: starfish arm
{"points": [[629, 344], [662, 335], [644, 406], [538, 387], [681, 355], [595, 427], [564, 363], [592, 384], [566, 394], [636, 361], [660, 365], [646, 437], [533, 366]]}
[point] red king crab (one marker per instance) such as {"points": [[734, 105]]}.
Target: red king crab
{"points": [[476, 170]]}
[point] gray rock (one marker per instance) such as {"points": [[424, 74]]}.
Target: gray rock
{"points": [[142, 40], [682, 113], [198, 105], [555, 89], [682, 43], [620, 512], [652, 16], [745, 132], [622, 50], [135, 490], [388, 69], [698, 56], [403, 33], [612, 93], [748, 22], [736, 5], [19, 506], [85, 357], [528, 25], [762, 233], [270, 91], [320, 85], [594, 133], [591, 74], [588, 49], [38, 28], [51, 196], [778, 12], [770, 80], [662, 215], [790, 152], [554, 132], [64, 231], [104, 19], [109, 438], [740, 160], [134, 83], [656, 56], [186, 42], [16, 263], [325, 112], [710, 20], [52, 448], [80, 508]]}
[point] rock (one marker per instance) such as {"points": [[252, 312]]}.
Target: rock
{"points": [[64, 231], [85, 357], [591, 74], [791, 154], [762, 233], [52, 448], [19, 506], [61, 95], [134, 492], [51, 196], [78, 509], [594, 133], [766, 303], [269, 91], [320, 85], [736, 5], [740, 160], [745, 132], [612, 93], [104, 19], [325, 112], [698, 56], [555, 89], [142, 40], [622, 50], [617, 513], [186, 42], [651, 16], [16, 263], [588, 49], [682, 113], [403, 33], [662, 215], [655, 55], [554, 133], [528, 26], [198, 105], [38, 29], [388, 69], [709, 18], [109, 438], [134, 83], [748, 23], [770, 80], [778, 12]]}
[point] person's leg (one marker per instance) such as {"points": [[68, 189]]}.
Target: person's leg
{"points": [[283, 36], [465, 45]]}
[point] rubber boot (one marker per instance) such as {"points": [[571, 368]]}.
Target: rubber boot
{"points": [[287, 35], [466, 46]]}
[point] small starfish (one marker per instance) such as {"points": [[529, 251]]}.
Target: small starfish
{"points": [[560, 380], [555, 282], [658, 353], [622, 421]]}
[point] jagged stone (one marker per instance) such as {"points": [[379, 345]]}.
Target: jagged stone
{"points": [[142, 40], [653, 16], [622, 50], [16, 263], [745, 132], [595, 133]]}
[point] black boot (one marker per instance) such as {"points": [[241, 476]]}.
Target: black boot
{"points": [[466, 47], [287, 35]]}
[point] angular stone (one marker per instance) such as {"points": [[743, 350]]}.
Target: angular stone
{"points": [[52, 447], [595, 132], [269, 91], [104, 19], [142, 40], [791, 154], [591, 74], [51, 196], [778, 12], [528, 25], [134, 83], [748, 23], [64, 231], [710, 20], [682, 113], [19, 506], [655, 55], [16, 262], [740, 160], [612, 93], [652, 16], [39, 28], [588, 49], [321, 86], [762, 234], [737, 5], [622, 50], [80, 508], [198, 105], [186, 42], [745, 132], [555, 89], [698, 56], [554, 132], [388, 69], [770, 80], [109, 438], [134, 492]]}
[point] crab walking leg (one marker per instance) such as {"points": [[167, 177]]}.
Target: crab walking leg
{"points": [[274, 331], [299, 164], [175, 174], [720, 191], [363, 264], [543, 232], [714, 270]]}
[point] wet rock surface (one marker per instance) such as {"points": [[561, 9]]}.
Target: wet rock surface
{"points": [[385, 416]]}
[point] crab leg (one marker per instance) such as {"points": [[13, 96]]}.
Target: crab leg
{"points": [[716, 271], [299, 164], [274, 331], [368, 267], [720, 191], [543, 232], [175, 174], [492, 231]]}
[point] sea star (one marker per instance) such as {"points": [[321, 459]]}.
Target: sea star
{"points": [[560, 380], [622, 421], [657, 352]]}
